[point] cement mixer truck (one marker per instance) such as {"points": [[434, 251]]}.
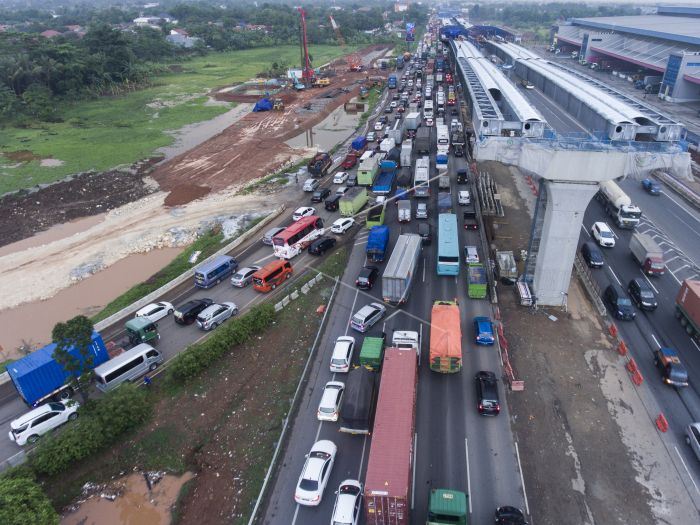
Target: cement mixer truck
{"points": [[618, 205]]}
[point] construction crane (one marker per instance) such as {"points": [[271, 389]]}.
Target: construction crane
{"points": [[307, 71], [354, 61]]}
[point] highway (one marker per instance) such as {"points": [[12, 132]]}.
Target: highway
{"points": [[456, 448]]}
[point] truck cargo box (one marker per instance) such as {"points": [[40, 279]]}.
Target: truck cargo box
{"points": [[688, 307], [377, 242], [401, 268], [359, 401], [372, 353], [353, 201]]}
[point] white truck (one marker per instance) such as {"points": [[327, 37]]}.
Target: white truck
{"points": [[411, 121], [443, 139], [401, 268], [404, 210], [406, 151], [407, 339], [618, 205]]}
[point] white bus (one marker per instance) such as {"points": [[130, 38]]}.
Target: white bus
{"points": [[127, 366], [443, 139]]}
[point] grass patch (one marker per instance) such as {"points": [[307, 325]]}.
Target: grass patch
{"points": [[111, 131], [372, 99], [160, 449]]}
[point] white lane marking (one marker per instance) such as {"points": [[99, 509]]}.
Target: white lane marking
{"points": [[686, 469], [469, 481], [352, 309], [615, 276], [681, 268], [424, 265], [682, 207], [674, 276], [654, 338], [265, 258], [585, 230], [522, 479], [415, 447], [672, 259], [647, 280], [696, 345], [296, 513], [392, 315], [420, 342], [362, 457], [360, 243]]}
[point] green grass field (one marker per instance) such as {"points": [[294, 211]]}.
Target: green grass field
{"points": [[113, 131]]}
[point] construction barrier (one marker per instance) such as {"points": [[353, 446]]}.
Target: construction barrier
{"points": [[613, 330], [632, 366], [637, 378], [661, 423], [622, 348]]}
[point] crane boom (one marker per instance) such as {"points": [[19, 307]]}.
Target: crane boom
{"points": [[307, 71]]}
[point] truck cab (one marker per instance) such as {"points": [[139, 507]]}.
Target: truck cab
{"points": [[673, 371], [447, 507], [141, 330], [406, 339]]}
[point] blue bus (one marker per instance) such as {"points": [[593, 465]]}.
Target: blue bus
{"points": [[214, 271], [448, 245]]}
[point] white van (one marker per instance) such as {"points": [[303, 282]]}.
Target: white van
{"points": [[127, 366]]}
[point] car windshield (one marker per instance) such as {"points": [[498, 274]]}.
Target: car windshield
{"points": [[338, 361], [606, 234], [309, 485], [623, 301], [238, 276], [646, 294]]}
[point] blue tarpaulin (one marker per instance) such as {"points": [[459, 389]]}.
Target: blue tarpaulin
{"points": [[264, 104]]}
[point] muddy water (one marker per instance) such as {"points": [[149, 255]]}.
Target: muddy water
{"points": [[31, 323], [136, 504], [335, 128]]}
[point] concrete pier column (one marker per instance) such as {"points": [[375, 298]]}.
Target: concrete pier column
{"points": [[566, 203]]}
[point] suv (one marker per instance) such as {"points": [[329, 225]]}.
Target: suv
{"points": [[29, 427], [187, 313], [424, 232], [591, 254], [487, 393], [462, 176], [311, 185], [367, 316], [332, 203], [319, 246], [642, 294], [320, 194], [348, 503], [422, 210], [366, 277], [602, 233], [216, 314], [619, 304]]}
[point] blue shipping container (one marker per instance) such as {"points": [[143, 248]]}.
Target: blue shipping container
{"points": [[359, 143], [377, 242], [39, 374]]}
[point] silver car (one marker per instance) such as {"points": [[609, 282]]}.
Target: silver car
{"points": [[244, 276], [692, 437], [214, 315], [269, 234]]}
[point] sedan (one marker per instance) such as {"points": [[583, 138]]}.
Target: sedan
{"points": [[378, 126], [320, 194], [393, 104], [483, 331], [342, 225], [340, 177], [651, 186], [244, 276], [320, 245], [348, 503], [156, 311], [692, 438], [304, 211], [315, 473], [214, 315], [401, 109], [332, 397], [388, 110]]}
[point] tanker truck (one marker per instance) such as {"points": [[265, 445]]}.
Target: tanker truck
{"points": [[618, 205]]}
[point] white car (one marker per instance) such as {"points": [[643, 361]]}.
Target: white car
{"points": [[212, 316], [370, 136], [429, 122], [332, 397], [471, 255], [342, 354], [244, 276], [381, 199], [311, 185], [342, 225], [378, 126], [692, 437], [348, 503], [156, 311], [340, 177], [29, 427], [463, 197], [342, 190], [602, 233], [393, 104], [422, 210], [315, 473], [367, 316], [304, 211]]}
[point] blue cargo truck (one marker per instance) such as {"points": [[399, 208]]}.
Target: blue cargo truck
{"points": [[38, 377], [377, 242], [385, 180], [392, 82]]}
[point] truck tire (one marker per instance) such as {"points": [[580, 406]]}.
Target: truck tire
{"points": [[64, 395]]}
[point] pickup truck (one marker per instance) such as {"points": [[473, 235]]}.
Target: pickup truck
{"points": [[673, 371], [470, 220]]}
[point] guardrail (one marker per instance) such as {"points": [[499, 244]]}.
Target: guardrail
{"points": [[590, 285]]}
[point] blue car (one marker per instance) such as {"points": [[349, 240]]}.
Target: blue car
{"points": [[652, 187], [483, 331]]}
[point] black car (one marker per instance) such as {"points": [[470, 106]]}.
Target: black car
{"points": [[320, 194], [642, 294], [424, 232], [332, 203], [510, 516], [618, 303], [187, 313], [395, 96], [487, 393], [462, 176], [366, 277], [454, 111], [592, 255], [388, 110], [320, 245]]}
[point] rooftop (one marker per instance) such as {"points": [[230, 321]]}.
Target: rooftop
{"points": [[677, 28]]}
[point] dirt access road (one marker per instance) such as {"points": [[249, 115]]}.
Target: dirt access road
{"points": [[590, 454]]}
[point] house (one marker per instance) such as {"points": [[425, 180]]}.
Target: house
{"points": [[74, 28], [148, 21], [179, 31], [50, 33], [182, 40], [400, 7]]}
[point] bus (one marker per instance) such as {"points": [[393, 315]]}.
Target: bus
{"points": [[448, 245], [428, 109], [292, 240]]}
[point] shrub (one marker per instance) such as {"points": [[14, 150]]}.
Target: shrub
{"points": [[200, 356], [100, 423], [22, 502]]}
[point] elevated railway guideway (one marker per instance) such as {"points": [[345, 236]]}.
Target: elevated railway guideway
{"points": [[593, 103], [497, 105]]}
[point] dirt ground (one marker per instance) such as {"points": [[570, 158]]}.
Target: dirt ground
{"points": [[586, 457], [222, 426]]}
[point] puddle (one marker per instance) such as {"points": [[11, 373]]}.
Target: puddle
{"points": [[128, 501], [193, 135], [335, 128], [59, 231], [31, 323]]}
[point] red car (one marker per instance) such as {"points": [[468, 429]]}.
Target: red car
{"points": [[400, 109], [349, 161]]}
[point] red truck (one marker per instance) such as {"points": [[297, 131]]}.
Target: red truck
{"points": [[388, 481], [688, 307]]}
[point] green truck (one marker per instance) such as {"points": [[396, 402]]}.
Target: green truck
{"points": [[372, 352], [375, 215], [353, 201], [476, 281], [368, 170], [447, 507]]}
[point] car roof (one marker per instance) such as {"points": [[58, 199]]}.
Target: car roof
{"points": [[602, 226], [33, 414]]}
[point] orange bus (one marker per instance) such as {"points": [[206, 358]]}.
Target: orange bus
{"points": [[445, 338], [272, 274]]}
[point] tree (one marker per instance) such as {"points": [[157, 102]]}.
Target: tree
{"points": [[75, 333], [22, 502]]}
